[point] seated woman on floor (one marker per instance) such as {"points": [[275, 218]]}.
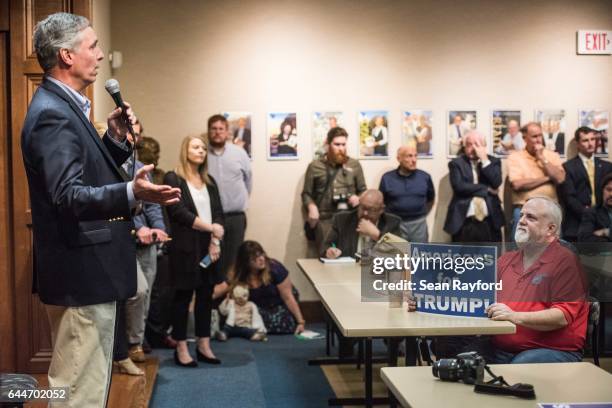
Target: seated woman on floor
{"points": [[270, 289]]}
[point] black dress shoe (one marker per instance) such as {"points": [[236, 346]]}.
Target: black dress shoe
{"points": [[207, 360], [190, 364]]}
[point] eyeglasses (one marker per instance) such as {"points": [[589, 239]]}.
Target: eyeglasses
{"points": [[370, 209]]}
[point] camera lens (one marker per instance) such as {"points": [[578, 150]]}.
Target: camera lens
{"points": [[446, 369]]}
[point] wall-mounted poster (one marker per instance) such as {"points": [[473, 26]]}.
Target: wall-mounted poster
{"points": [[599, 120], [416, 131], [552, 122], [239, 131], [282, 136], [506, 133], [459, 123], [373, 134], [321, 123]]}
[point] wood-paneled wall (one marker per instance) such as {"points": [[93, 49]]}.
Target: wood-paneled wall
{"points": [[7, 321]]}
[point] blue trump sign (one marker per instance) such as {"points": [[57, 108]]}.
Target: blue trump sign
{"points": [[457, 280]]}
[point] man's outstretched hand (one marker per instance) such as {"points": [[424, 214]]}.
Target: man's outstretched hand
{"points": [[144, 190]]}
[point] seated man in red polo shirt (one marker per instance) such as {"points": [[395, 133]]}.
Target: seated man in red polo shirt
{"points": [[543, 293]]}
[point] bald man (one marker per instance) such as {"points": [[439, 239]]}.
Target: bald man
{"points": [[475, 213], [357, 230], [409, 193]]}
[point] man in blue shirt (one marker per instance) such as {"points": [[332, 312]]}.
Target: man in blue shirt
{"points": [[150, 229], [409, 193]]}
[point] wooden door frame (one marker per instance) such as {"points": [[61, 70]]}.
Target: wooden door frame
{"points": [[7, 302]]}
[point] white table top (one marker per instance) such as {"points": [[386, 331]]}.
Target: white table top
{"points": [[553, 382], [319, 273], [364, 319]]}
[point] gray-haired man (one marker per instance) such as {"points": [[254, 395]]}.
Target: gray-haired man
{"points": [[81, 205]]}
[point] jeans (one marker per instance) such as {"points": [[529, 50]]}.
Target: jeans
{"points": [[137, 307], [539, 355], [237, 331]]}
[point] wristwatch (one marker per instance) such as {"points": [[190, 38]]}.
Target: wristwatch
{"points": [[215, 241]]}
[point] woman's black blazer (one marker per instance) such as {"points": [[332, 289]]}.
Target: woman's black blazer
{"points": [[189, 246]]}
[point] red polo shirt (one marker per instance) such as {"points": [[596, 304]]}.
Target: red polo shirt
{"points": [[555, 280]]}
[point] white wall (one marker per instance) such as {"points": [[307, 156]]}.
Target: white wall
{"points": [[101, 21], [186, 60]]}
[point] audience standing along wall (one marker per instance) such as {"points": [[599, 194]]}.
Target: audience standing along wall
{"points": [[186, 60]]}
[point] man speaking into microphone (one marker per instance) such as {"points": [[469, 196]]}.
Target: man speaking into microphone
{"points": [[84, 255]]}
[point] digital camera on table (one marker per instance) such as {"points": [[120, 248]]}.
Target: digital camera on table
{"points": [[466, 367]]}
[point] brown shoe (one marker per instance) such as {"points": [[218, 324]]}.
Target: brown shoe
{"points": [[137, 354], [127, 366], [169, 342]]}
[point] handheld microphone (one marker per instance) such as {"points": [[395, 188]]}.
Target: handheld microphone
{"points": [[112, 87]]}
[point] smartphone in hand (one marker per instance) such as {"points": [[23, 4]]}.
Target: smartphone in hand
{"points": [[205, 262]]}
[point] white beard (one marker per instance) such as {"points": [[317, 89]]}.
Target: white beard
{"points": [[521, 236]]}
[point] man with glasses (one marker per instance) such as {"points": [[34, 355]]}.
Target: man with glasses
{"points": [[358, 230]]}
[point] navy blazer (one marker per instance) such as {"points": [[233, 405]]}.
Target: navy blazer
{"points": [[464, 189], [575, 192], [594, 219], [84, 250]]}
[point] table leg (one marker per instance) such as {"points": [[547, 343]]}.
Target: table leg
{"points": [[368, 371], [327, 338], [392, 400], [393, 350], [368, 399], [411, 351]]}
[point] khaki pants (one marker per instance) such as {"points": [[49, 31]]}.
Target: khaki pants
{"points": [[82, 339]]}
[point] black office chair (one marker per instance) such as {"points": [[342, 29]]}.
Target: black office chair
{"points": [[593, 329]]}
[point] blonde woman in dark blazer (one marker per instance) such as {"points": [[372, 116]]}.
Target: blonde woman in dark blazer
{"points": [[196, 227]]}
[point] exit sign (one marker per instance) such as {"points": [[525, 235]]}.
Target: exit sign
{"points": [[594, 42]]}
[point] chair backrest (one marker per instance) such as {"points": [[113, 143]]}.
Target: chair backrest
{"points": [[592, 335], [568, 245], [594, 311]]}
